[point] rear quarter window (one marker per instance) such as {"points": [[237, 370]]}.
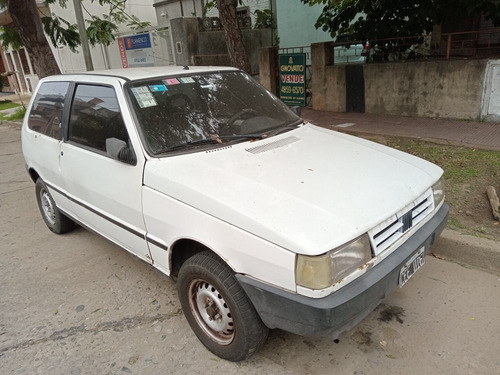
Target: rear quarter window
{"points": [[46, 113]]}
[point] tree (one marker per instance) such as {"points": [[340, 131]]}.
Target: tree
{"points": [[379, 19], [30, 26], [233, 35]]}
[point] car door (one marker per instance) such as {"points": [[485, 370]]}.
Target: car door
{"points": [[105, 192]]}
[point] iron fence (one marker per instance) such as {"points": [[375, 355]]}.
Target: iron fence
{"points": [[470, 44]]}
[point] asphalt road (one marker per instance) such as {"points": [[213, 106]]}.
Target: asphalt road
{"points": [[77, 304]]}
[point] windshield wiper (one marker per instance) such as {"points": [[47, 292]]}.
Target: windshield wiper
{"points": [[241, 136], [284, 129], [214, 139], [187, 144]]}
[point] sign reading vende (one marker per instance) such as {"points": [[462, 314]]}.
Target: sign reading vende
{"points": [[293, 79]]}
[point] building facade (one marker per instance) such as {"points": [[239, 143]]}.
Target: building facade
{"points": [[150, 46], [17, 65]]}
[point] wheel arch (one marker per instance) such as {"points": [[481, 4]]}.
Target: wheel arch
{"points": [[184, 249], [33, 174]]}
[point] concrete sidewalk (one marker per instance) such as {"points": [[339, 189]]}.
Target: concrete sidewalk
{"points": [[16, 98], [481, 135]]}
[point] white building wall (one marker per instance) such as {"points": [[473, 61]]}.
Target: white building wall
{"points": [[69, 61], [296, 24], [168, 11], [252, 6]]}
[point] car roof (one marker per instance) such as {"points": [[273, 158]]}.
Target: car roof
{"points": [[148, 72]]}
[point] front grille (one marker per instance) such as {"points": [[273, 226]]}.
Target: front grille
{"points": [[386, 235]]}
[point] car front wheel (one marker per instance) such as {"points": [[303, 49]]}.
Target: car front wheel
{"points": [[217, 309]]}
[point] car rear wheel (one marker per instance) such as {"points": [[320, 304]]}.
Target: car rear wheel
{"points": [[217, 309], [56, 221]]}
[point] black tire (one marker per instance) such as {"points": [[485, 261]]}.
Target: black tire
{"points": [[217, 308], [56, 221]]}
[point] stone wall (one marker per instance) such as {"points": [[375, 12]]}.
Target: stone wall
{"points": [[438, 88], [447, 89], [209, 47]]}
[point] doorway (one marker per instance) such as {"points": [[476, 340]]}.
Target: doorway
{"points": [[355, 88]]}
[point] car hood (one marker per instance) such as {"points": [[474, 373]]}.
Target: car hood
{"points": [[308, 190]]}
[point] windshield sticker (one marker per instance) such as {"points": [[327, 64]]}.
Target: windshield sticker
{"points": [[157, 88], [186, 80], [171, 81], [144, 97]]}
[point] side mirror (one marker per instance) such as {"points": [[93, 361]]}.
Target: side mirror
{"points": [[119, 150], [127, 155]]}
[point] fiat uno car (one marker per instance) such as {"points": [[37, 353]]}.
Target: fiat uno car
{"points": [[264, 220]]}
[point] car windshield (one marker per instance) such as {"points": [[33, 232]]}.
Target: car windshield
{"points": [[206, 109]]}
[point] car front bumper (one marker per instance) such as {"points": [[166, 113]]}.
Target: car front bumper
{"points": [[346, 307]]}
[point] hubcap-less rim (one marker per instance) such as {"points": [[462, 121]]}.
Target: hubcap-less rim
{"points": [[47, 207], [211, 312]]}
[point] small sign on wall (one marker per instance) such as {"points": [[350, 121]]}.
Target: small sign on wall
{"points": [[292, 70], [136, 50]]}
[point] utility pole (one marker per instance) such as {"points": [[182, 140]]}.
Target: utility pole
{"points": [[83, 35]]}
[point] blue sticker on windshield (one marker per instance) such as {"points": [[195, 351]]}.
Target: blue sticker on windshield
{"points": [[157, 88]]}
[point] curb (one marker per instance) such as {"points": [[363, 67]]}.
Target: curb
{"points": [[476, 252], [12, 124]]}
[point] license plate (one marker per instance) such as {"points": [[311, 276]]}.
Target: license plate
{"points": [[410, 267]]}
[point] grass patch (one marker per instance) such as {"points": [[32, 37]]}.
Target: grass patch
{"points": [[460, 164], [467, 173], [17, 115], [7, 104], [455, 224]]}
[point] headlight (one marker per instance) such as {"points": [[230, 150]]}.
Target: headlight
{"points": [[323, 271], [438, 192]]}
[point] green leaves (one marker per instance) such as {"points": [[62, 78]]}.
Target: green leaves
{"points": [[135, 23], [380, 19], [61, 32], [10, 37], [101, 31], [264, 19]]}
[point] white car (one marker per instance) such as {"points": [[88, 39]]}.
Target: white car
{"points": [[347, 51], [264, 220]]}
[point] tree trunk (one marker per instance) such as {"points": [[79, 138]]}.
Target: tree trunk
{"points": [[232, 32], [27, 21]]}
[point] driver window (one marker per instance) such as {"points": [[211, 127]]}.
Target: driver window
{"points": [[95, 117]]}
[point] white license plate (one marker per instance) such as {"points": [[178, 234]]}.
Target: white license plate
{"points": [[410, 267]]}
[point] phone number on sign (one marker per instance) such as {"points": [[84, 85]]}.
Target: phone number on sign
{"points": [[292, 90]]}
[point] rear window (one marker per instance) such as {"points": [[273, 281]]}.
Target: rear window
{"points": [[46, 113]]}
